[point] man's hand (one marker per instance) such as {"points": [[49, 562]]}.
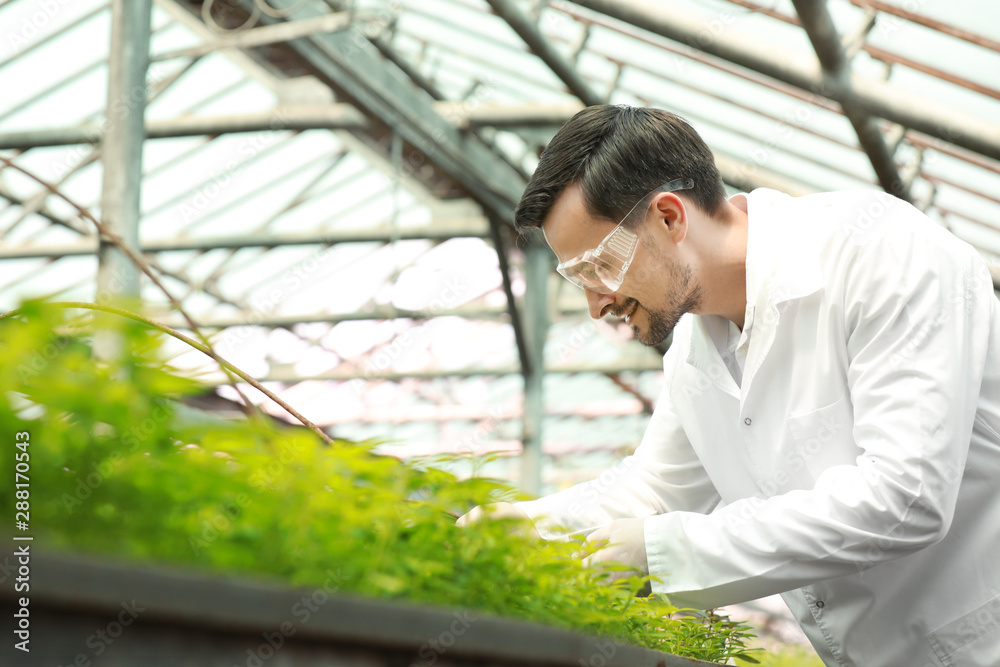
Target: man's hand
{"points": [[626, 544], [497, 511]]}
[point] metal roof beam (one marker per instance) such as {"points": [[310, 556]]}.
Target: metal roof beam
{"points": [[299, 117], [350, 63], [89, 246], [245, 39], [747, 176], [653, 364], [928, 22], [465, 116], [875, 97], [257, 318], [818, 24], [524, 26]]}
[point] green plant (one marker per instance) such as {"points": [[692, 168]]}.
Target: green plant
{"points": [[117, 469], [787, 656]]}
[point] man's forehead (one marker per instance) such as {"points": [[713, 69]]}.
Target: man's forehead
{"points": [[568, 223]]}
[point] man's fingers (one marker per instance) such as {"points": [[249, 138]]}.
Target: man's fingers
{"points": [[600, 535]]}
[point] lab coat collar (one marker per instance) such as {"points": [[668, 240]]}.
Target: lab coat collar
{"points": [[704, 356], [783, 252], [782, 265]]}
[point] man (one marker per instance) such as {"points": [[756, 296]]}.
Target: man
{"points": [[829, 427]]}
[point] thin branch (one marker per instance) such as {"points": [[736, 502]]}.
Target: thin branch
{"points": [[143, 265], [205, 349], [647, 405]]}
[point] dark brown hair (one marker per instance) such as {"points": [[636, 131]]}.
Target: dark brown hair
{"points": [[618, 153]]}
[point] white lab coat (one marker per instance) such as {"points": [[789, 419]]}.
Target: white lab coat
{"points": [[857, 469]]}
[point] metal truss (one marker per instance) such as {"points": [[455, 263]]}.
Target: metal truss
{"points": [[89, 246], [328, 117], [834, 59], [879, 99]]}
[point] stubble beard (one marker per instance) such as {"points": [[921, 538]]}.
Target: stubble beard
{"points": [[662, 321]]}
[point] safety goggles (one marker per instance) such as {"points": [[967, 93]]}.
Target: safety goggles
{"points": [[602, 269]]}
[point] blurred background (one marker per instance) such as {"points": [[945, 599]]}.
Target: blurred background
{"points": [[327, 186]]}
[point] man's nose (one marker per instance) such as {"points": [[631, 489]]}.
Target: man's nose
{"points": [[598, 304]]}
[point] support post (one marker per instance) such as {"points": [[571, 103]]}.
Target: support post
{"points": [[537, 266], [121, 154]]}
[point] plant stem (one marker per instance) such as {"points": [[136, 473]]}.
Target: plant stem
{"points": [[143, 265], [193, 343]]}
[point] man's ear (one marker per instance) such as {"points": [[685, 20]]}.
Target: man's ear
{"points": [[672, 213]]}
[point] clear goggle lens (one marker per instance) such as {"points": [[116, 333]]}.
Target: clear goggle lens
{"points": [[602, 270]]}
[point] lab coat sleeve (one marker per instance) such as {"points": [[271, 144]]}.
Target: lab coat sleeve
{"points": [[915, 314], [663, 474]]}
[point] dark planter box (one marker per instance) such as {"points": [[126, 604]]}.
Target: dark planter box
{"points": [[86, 612]]}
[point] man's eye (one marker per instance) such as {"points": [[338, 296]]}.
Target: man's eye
{"points": [[589, 271]]}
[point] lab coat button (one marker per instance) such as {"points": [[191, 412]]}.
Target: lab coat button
{"points": [[747, 421], [820, 604]]}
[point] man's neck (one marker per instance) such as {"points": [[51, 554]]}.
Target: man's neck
{"points": [[725, 269]]}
